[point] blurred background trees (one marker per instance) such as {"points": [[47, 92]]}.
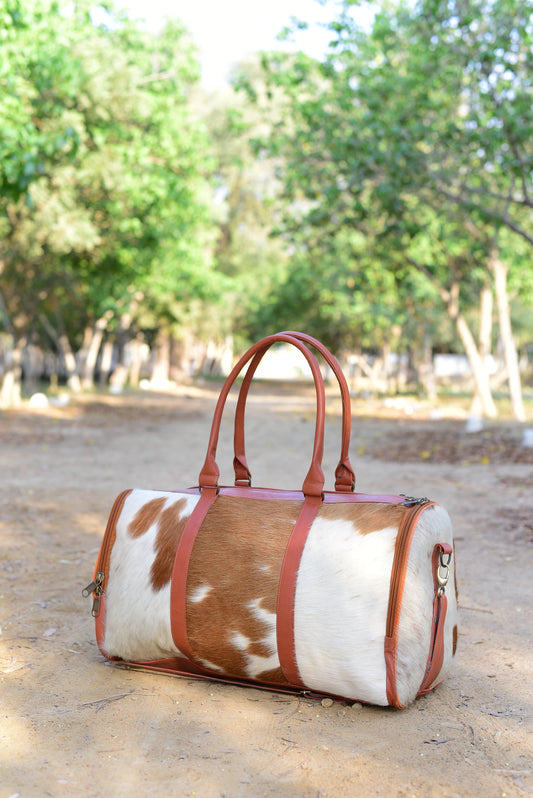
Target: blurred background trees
{"points": [[105, 196], [379, 198]]}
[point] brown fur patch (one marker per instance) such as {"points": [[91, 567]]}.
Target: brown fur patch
{"points": [[367, 517], [171, 526], [258, 650], [274, 676], [146, 516], [455, 635], [238, 553]]}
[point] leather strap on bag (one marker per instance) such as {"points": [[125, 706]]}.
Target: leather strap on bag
{"points": [[178, 583], [208, 482], [440, 606], [287, 590], [314, 481], [344, 474], [436, 655]]}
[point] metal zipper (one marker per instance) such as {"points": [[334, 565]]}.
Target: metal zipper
{"points": [[96, 588], [102, 564], [411, 501]]}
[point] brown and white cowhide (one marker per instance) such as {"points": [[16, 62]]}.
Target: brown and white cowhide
{"points": [[342, 590]]}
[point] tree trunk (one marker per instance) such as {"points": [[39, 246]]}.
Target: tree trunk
{"points": [[135, 359], [12, 359], [106, 362], [479, 369], [73, 380], [119, 377], [11, 382], [65, 350], [485, 338], [477, 364], [427, 371], [95, 343], [499, 270], [32, 367], [485, 321], [403, 372], [391, 371], [161, 367]]}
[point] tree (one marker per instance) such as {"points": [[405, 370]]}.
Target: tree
{"points": [[105, 198], [416, 133], [248, 253]]}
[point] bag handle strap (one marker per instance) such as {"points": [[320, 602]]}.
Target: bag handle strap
{"points": [[314, 481], [344, 474]]}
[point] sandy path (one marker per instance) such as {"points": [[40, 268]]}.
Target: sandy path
{"points": [[72, 725]]}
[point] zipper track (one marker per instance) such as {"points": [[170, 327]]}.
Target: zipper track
{"points": [[399, 564], [102, 562]]}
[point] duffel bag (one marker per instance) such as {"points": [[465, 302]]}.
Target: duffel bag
{"points": [[328, 593]]}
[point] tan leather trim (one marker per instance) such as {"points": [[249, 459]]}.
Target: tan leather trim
{"points": [[436, 654], [391, 654], [328, 497], [178, 586], [344, 474], [440, 606], [314, 481], [287, 590]]}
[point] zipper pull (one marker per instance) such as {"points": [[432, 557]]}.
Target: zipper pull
{"points": [[411, 501], [96, 588], [86, 592], [95, 610], [98, 579]]}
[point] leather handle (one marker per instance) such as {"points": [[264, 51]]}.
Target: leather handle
{"points": [[344, 474], [314, 481]]}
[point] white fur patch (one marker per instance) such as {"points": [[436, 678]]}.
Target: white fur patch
{"points": [[210, 665], [256, 664], [137, 617], [342, 593], [201, 592], [240, 641]]}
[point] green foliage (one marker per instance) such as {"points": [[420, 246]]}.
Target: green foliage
{"points": [[247, 253], [348, 196], [418, 135], [103, 168]]}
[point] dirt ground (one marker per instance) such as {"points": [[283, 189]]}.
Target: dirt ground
{"points": [[72, 725]]}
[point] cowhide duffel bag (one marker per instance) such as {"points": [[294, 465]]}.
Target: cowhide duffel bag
{"points": [[334, 593]]}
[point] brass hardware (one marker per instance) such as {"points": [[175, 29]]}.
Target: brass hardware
{"points": [[96, 588], [442, 577], [86, 592], [96, 605]]}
